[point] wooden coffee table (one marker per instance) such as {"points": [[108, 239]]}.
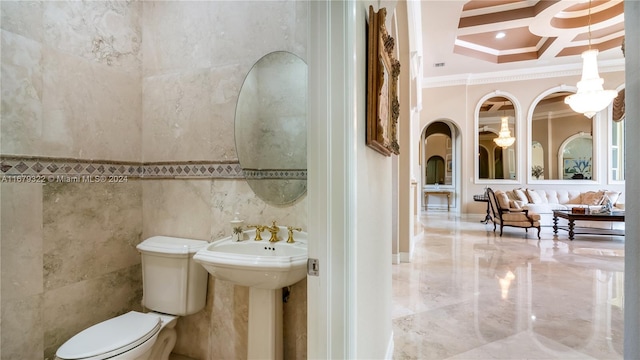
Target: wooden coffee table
{"points": [[616, 216]]}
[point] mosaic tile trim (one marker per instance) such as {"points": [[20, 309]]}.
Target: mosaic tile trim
{"points": [[193, 170], [57, 169], [289, 174]]}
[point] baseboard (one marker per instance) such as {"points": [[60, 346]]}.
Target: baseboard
{"points": [[390, 346], [395, 259], [405, 257]]}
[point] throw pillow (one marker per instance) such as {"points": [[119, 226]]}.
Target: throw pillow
{"points": [[592, 197], [533, 196], [515, 204], [503, 199], [520, 195], [612, 195]]}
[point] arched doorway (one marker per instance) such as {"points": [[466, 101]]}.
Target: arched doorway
{"points": [[440, 163]]}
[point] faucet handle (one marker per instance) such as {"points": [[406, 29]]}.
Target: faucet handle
{"points": [[259, 230], [291, 229], [273, 229]]}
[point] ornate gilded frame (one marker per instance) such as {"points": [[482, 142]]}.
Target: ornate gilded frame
{"points": [[383, 107]]}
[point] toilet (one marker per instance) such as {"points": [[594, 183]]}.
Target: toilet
{"points": [[173, 285]]}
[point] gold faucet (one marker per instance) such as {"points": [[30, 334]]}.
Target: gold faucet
{"points": [[291, 229], [259, 230], [273, 229]]}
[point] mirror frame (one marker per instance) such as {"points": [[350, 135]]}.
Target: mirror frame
{"points": [[610, 178], [517, 134], [596, 137]]}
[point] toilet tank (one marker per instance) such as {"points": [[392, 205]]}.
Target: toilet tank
{"points": [[172, 282]]}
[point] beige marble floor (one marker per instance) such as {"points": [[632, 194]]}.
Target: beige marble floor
{"points": [[469, 294]]}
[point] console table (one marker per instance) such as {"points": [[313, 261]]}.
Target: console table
{"points": [[437, 192]]}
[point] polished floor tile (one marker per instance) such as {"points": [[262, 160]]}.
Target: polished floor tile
{"points": [[470, 294]]}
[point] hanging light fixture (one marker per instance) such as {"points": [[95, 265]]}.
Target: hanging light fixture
{"points": [[591, 97], [504, 139]]}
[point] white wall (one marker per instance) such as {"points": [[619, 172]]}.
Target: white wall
{"points": [[374, 233], [632, 247], [350, 191]]}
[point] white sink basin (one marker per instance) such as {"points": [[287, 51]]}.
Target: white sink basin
{"points": [[259, 264], [265, 267]]}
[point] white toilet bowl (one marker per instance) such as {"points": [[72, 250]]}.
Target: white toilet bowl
{"points": [[134, 335], [173, 283]]}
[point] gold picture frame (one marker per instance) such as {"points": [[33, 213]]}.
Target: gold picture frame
{"points": [[383, 107]]}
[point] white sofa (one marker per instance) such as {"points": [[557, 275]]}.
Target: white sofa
{"points": [[543, 202]]}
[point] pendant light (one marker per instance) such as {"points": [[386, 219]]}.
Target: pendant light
{"points": [[591, 98], [504, 139]]}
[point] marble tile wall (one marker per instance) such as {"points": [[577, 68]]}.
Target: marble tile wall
{"points": [[71, 88], [294, 313], [21, 274], [80, 86], [71, 79], [196, 56], [68, 261]]}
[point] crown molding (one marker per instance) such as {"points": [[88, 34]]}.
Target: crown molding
{"points": [[518, 75]]}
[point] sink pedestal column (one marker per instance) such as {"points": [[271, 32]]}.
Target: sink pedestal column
{"points": [[265, 324]]}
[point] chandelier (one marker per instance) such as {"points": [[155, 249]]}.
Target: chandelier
{"points": [[504, 139], [591, 98]]}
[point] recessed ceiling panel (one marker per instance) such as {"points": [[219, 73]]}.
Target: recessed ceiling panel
{"points": [[518, 38], [561, 29]]}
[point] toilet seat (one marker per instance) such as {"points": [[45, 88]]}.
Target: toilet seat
{"points": [[111, 337]]}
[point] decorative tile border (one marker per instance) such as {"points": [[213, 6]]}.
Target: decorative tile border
{"points": [[59, 169], [289, 174], [177, 170]]}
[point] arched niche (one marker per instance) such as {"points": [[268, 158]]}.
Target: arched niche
{"points": [[495, 163], [551, 124], [438, 150], [441, 139]]}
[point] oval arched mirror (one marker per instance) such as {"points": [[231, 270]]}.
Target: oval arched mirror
{"points": [[496, 140], [553, 126], [271, 128]]}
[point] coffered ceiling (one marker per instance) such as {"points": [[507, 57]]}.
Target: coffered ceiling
{"points": [[461, 38]]}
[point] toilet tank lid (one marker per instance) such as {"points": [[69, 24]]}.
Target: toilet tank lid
{"points": [[111, 337], [171, 245]]}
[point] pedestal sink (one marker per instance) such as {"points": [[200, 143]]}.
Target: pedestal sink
{"points": [[265, 267]]}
